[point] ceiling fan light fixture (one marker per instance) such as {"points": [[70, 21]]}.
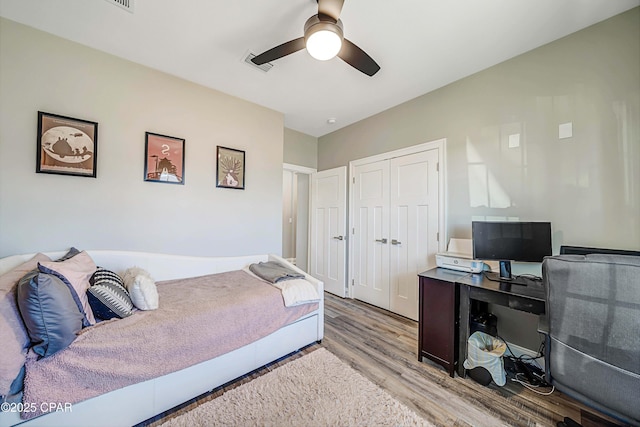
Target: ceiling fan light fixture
{"points": [[323, 45], [323, 39]]}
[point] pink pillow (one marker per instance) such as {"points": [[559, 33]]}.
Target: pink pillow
{"points": [[76, 271], [13, 334]]}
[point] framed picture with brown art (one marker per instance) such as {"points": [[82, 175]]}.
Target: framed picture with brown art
{"points": [[163, 159], [66, 146], [230, 170]]}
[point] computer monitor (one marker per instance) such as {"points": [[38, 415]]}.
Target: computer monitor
{"points": [[510, 241]]}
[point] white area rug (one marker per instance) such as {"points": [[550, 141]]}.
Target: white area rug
{"points": [[316, 390]]}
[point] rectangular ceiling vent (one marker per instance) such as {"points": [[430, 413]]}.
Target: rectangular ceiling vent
{"points": [[128, 5], [264, 67]]}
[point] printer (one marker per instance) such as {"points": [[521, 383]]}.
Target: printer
{"points": [[459, 257]]}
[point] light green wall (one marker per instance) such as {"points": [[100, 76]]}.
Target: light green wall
{"points": [[300, 149], [119, 210], [588, 186]]}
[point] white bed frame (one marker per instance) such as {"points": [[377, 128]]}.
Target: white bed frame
{"points": [[138, 402]]}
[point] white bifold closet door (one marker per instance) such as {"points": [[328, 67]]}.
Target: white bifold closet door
{"points": [[395, 229], [371, 233]]}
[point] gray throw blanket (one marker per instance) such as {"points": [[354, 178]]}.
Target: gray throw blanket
{"points": [[273, 272]]}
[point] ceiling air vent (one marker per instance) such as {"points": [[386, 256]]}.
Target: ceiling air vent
{"points": [[127, 5], [264, 67]]}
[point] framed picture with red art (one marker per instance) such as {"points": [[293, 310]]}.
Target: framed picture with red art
{"points": [[163, 159], [230, 169], [66, 146]]}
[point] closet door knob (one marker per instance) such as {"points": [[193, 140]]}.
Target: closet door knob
{"points": [[338, 237], [381, 240], [395, 242]]}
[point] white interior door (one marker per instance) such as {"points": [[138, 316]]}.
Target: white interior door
{"points": [[371, 233], [413, 218], [328, 228]]}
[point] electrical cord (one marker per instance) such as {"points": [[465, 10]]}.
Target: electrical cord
{"points": [[524, 356], [533, 387], [531, 277], [529, 379]]}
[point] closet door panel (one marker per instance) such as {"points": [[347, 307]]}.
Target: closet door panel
{"points": [[371, 226], [414, 224]]}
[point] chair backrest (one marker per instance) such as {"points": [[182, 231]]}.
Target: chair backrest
{"points": [[593, 312], [582, 250]]}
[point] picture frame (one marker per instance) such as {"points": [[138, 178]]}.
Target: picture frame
{"points": [[163, 158], [230, 168], [66, 145]]}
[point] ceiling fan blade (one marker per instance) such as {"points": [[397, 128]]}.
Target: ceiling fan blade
{"points": [[330, 8], [279, 51], [358, 58]]}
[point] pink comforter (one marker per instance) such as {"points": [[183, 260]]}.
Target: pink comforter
{"points": [[198, 319]]}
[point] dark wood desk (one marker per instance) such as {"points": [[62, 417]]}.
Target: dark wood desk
{"points": [[445, 307], [438, 317], [530, 298]]}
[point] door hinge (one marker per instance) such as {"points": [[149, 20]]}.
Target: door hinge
{"points": [[353, 282], [438, 167], [438, 236], [353, 179], [353, 230]]}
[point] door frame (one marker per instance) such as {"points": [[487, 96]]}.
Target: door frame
{"points": [[441, 145], [306, 171]]}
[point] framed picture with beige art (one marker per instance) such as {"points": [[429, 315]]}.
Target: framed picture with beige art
{"points": [[230, 169], [66, 146]]}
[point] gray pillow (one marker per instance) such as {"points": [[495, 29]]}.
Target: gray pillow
{"points": [[14, 339], [70, 254], [49, 312]]}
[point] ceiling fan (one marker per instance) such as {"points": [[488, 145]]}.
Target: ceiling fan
{"points": [[324, 39]]}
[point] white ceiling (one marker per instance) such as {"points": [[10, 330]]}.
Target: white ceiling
{"points": [[421, 45]]}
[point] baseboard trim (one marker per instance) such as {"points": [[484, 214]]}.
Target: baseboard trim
{"points": [[517, 351]]}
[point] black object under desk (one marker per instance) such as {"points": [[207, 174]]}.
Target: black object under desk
{"points": [[445, 306]]}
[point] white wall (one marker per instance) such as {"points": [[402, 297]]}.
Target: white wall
{"points": [[289, 213], [302, 220], [588, 185], [300, 149], [118, 209]]}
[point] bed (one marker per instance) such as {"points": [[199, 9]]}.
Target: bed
{"points": [[144, 399]]}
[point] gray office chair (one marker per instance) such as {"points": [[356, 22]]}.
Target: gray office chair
{"points": [[593, 331]]}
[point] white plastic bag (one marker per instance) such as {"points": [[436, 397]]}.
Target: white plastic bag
{"points": [[486, 351]]}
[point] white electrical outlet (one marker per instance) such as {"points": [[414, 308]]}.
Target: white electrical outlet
{"points": [[514, 140], [565, 130]]}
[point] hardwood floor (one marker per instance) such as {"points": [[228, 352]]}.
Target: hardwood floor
{"points": [[382, 346]]}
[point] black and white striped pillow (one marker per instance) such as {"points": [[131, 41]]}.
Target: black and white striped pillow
{"points": [[107, 295]]}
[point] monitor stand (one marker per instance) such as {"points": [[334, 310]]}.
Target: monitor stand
{"points": [[505, 275]]}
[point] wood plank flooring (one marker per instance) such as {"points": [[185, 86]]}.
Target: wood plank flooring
{"points": [[382, 346]]}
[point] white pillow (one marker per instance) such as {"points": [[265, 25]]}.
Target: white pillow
{"points": [[142, 288]]}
